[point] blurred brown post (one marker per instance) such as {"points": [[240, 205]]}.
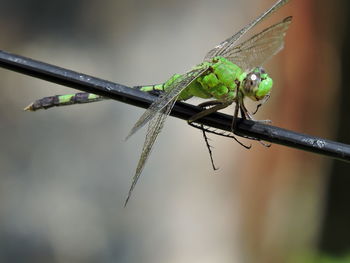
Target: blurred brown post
{"points": [[282, 189]]}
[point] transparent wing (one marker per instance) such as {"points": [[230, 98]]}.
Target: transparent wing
{"points": [[154, 128], [173, 92], [228, 43], [258, 49]]}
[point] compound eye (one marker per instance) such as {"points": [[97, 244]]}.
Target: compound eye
{"points": [[264, 88], [251, 81], [257, 84]]}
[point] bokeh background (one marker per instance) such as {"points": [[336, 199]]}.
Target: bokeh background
{"points": [[65, 172]]}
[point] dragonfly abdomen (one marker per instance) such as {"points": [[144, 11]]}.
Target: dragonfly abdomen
{"points": [[63, 100], [159, 88]]}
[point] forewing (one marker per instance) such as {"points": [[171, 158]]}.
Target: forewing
{"points": [[154, 128], [258, 49], [173, 92], [228, 43]]}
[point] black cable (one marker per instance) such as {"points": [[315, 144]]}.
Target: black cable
{"points": [[245, 128]]}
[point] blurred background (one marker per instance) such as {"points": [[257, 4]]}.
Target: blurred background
{"points": [[65, 172]]}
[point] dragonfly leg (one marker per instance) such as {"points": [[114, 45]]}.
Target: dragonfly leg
{"points": [[234, 125], [206, 139], [265, 144], [214, 106], [249, 116], [246, 113], [209, 147], [239, 102], [261, 103], [217, 105], [209, 103], [235, 116]]}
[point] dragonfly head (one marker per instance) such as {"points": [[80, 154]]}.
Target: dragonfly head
{"points": [[256, 84]]}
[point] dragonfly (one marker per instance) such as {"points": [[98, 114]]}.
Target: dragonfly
{"points": [[229, 74]]}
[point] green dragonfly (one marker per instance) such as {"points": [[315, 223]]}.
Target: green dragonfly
{"points": [[229, 73]]}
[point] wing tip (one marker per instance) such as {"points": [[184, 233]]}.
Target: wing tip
{"points": [[127, 200], [129, 135], [288, 19]]}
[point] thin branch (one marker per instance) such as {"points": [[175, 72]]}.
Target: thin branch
{"points": [[245, 128]]}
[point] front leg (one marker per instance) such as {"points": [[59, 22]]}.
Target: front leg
{"points": [[261, 103], [246, 114]]}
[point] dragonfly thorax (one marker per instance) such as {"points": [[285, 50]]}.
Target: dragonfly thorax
{"points": [[256, 84], [221, 79]]}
